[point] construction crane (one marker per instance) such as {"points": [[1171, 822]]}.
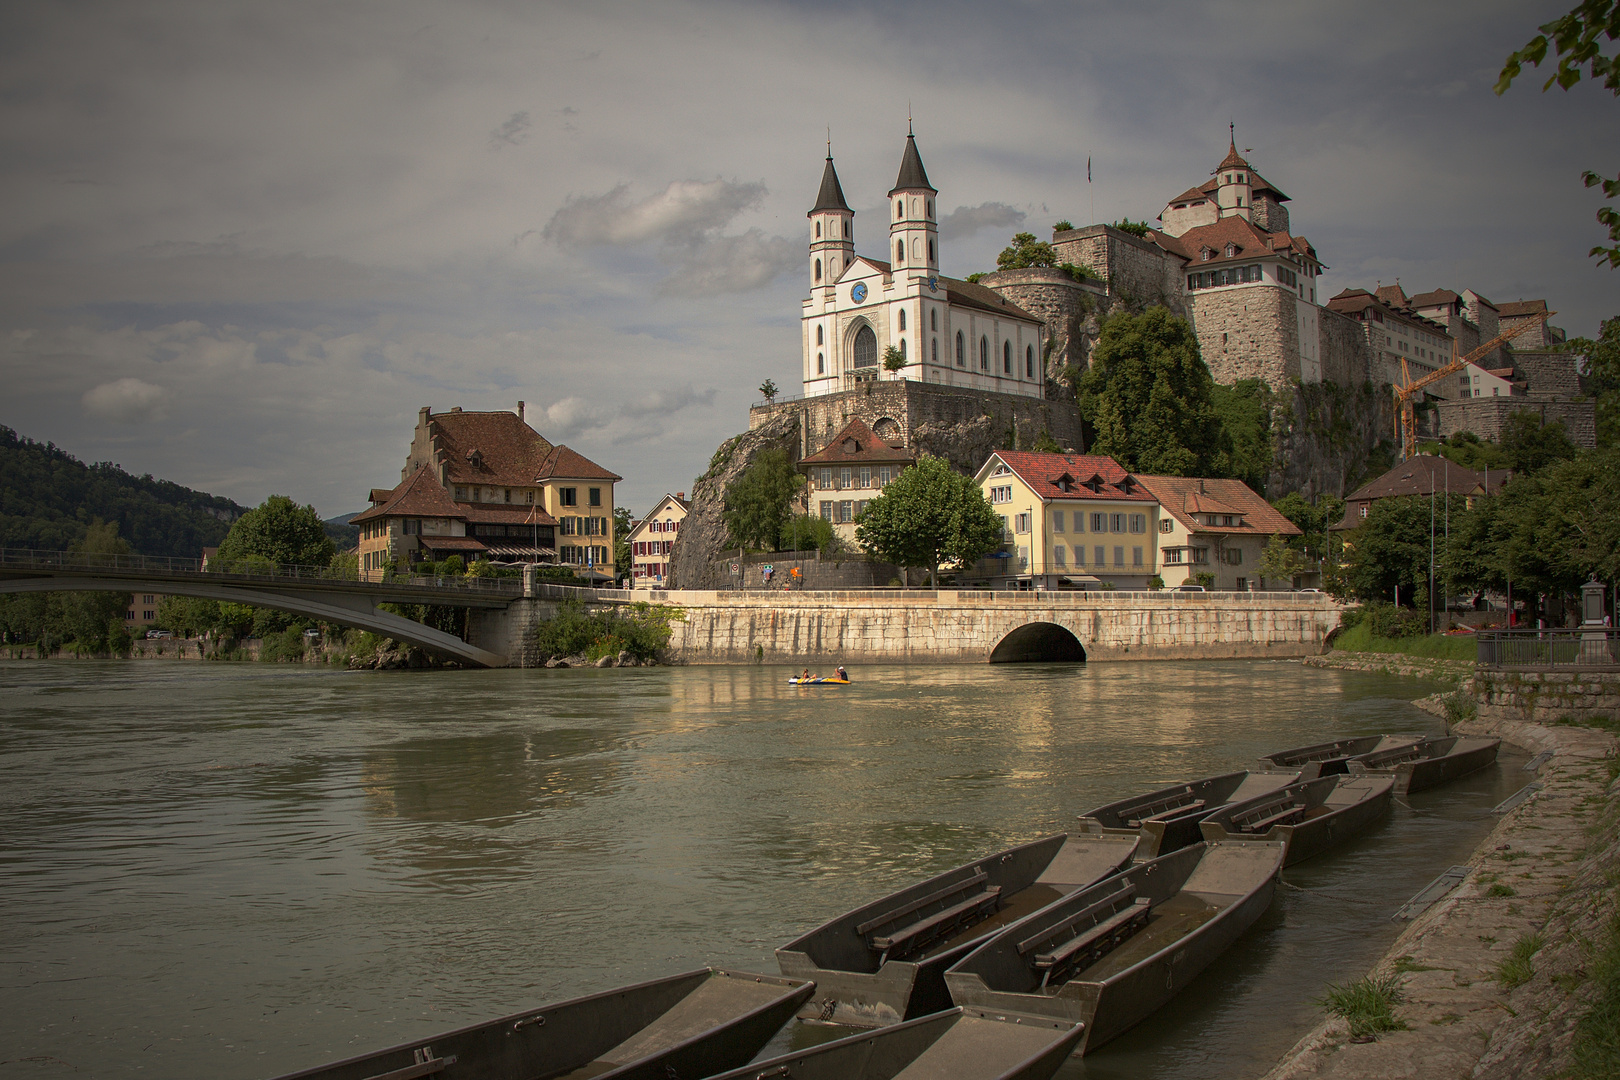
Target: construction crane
{"points": [[1405, 420]]}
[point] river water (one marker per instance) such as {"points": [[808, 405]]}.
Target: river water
{"points": [[236, 870]]}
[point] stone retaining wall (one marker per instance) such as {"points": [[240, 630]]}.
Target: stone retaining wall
{"points": [[1546, 696]]}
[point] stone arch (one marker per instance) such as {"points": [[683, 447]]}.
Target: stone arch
{"points": [[886, 428], [862, 345], [1038, 642]]}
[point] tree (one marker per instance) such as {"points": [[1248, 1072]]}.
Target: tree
{"points": [[1062, 226], [1468, 450], [1026, 251], [758, 500], [1147, 396], [1245, 410], [1279, 562], [93, 619], [893, 359], [1602, 377], [930, 516], [1313, 519], [282, 531], [1135, 228], [768, 390], [621, 540], [806, 532], [1390, 548], [1575, 41], [1530, 445]]}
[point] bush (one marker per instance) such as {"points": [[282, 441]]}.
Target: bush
{"points": [[1388, 621], [1367, 1005], [287, 647], [640, 629], [454, 566]]}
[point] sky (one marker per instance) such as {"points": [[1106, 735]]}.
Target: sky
{"points": [[242, 244]]}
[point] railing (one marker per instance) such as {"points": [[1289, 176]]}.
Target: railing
{"points": [[1032, 597], [1591, 647], [240, 570]]}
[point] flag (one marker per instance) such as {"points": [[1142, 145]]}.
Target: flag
{"points": [[1088, 168]]}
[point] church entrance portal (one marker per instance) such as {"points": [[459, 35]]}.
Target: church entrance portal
{"points": [[865, 348]]}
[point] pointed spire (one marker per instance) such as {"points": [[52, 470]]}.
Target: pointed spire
{"points": [[912, 174], [831, 195], [1233, 159]]}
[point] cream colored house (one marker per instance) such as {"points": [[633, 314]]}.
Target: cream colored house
{"points": [[1216, 527], [1071, 521], [849, 472], [652, 541]]}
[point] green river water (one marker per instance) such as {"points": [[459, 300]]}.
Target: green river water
{"points": [[236, 870]]}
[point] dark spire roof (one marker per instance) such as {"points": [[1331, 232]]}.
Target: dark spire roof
{"points": [[912, 173], [831, 196], [1233, 159]]}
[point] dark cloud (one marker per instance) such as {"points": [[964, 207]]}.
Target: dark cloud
{"points": [[964, 221], [680, 214], [512, 132]]}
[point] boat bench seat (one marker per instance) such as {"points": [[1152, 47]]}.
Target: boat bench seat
{"points": [[977, 900], [1092, 942], [1171, 812], [1280, 817], [1125, 892]]}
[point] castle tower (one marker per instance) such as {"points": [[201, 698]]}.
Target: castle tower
{"points": [[913, 234], [832, 230], [1234, 193]]}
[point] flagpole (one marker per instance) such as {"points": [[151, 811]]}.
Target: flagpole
{"points": [[1092, 190]]}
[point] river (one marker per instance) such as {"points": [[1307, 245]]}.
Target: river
{"points": [[236, 870]]}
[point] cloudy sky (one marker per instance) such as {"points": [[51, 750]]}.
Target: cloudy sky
{"points": [[243, 243]]}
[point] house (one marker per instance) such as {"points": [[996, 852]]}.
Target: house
{"points": [[1478, 381], [1425, 475], [1069, 520], [142, 612], [652, 541], [1215, 527], [851, 470], [418, 521], [1399, 336]]}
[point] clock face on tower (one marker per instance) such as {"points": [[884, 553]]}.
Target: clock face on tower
{"points": [[858, 293]]}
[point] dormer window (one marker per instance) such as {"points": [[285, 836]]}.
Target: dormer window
{"points": [[1231, 250], [475, 458], [1205, 254], [851, 446], [1064, 483]]}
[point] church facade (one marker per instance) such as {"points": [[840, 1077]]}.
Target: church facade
{"points": [[864, 311]]}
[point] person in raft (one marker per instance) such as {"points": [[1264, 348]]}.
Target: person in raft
{"points": [[806, 676], [842, 674]]}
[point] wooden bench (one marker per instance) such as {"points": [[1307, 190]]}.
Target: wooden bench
{"points": [[1091, 943], [1277, 817], [978, 901], [1173, 812], [1393, 757]]}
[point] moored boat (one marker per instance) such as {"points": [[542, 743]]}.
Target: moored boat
{"points": [[885, 961], [695, 1024], [1109, 955], [1430, 762], [1333, 757], [1167, 819], [1309, 817], [957, 1044]]}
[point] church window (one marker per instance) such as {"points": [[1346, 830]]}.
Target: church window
{"points": [[818, 269], [1006, 358], [899, 209], [1029, 361], [900, 252], [865, 347], [961, 361], [902, 319], [933, 318], [934, 351], [984, 354], [902, 348], [821, 364], [818, 230], [930, 207], [930, 251], [1240, 200]]}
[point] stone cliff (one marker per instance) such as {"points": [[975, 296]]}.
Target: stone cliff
{"points": [[700, 546]]}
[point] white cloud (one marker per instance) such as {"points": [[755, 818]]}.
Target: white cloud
{"points": [[964, 221], [125, 401], [667, 402], [681, 213], [728, 264], [570, 418]]}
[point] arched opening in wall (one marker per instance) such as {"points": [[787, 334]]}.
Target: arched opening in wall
{"points": [[1038, 643], [865, 350], [886, 428]]}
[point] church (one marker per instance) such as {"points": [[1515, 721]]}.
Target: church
{"points": [[940, 330]]}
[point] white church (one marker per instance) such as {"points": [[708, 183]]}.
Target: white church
{"points": [[945, 331]]}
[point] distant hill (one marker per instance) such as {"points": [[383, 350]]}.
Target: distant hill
{"points": [[344, 535]]}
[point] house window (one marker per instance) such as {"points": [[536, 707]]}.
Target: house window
{"points": [[1242, 584], [1172, 556], [567, 496], [596, 496], [860, 506], [1364, 509], [866, 476], [1099, 557], [1057, 521], [1136, 556], [1118, 523], [1099, 523], [844, 478], [826, 510], [1058, 556], [1079, 555], [1234, 556], [569, 528], [461, 494], [826, 479], [960, 361], [984, 354], [412, 526], [1166, 525], [1138, 523], [1001, 494], [846, 510], [1119, 556], [1021, 523]]}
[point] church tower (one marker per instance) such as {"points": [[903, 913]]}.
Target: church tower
{"points": [[832, 230], [913, 233], [1234, 191]]}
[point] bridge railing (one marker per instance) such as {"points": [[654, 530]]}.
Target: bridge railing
{"points": [[1591, 647], [1042, 597], [250, 569]]}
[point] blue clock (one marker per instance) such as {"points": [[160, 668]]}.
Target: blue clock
{"points": [[933, 284], [858, 293]]}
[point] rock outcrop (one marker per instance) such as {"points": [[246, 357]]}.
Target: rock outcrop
{"points": [[701, 543]]}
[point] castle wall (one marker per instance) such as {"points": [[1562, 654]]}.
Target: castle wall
{"points": [[1347, 355], [1547, 372], [1486, 417], [1248, 333], [1269, 214], [1138, 273], [1063, 304]]}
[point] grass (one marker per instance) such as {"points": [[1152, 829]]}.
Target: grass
{"points": [[1360, 638], [1596, 1049], [1405, 964], [1516, 969], [1500, 890], [1367, 1005]]}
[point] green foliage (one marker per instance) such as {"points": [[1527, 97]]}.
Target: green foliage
{"points": [[1147, 396], [893, 359], [1360, 638], [1391, 548], [1367, 1005], [1468, 450], [1081, 273], [1602, 377], [1062, 226], [1530, 445], [975, 278], [1245, 409], [621, 540], [49, 498], [1459, 706], [930, 516], [640, 629], [282, 531], [1045, 444], [758, 500], [1516, 969], [453, 566], [1279, 562], [1576, 39], [93, 621], [1026, 251], [806, 532], [1595, 1053], [768, 389], [1135, 228], [1155, 582], [1313, 519], [284, 647]]}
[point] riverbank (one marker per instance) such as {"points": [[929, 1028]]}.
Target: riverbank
{"points": [[1497, 976], [1442, 670]]}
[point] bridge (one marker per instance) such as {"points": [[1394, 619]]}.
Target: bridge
{"points": [[315, 592]]}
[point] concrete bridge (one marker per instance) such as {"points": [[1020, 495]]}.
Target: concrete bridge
{"points": [[316, 593], [949, 626]]}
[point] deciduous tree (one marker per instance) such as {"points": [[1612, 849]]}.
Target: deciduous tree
{"points": [[282, 531], [930, 516], [1603, 377], [758, 501]]}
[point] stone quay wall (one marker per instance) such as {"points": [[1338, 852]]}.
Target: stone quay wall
{"points": [[1548, 696]]}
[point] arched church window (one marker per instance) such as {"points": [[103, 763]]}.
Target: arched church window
{"points": [[818, 230], [1029, 361], [865, 348], [818, 269], [899, 209], [930, 251], [902, 319], [902, 348], [930, 208], [1006, 358], [961, 361], [899, 252], [933, 318], [819, 338], [821, 364], [984, 353], [934, 351]]}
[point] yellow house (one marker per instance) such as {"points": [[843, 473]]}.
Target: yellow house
{"points": [[1071, 521], [1214, 527]]}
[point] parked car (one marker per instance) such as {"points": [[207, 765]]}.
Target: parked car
{"points": [[312, 633], [1188, 588], [160, 633], [1311, 590]]}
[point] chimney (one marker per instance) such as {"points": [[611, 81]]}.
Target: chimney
{"points": [[520, 410], [1200, 486], [423, 415], [681, 495], [455, 408]]}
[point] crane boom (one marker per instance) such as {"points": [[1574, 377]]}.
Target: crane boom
{"points": [[1405, 420]]}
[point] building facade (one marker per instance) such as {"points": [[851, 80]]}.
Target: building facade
{"points": [[1213, 532], [1397, 335], [652, 541], [850, 471]]}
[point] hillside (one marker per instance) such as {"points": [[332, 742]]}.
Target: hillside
{"points": [[48, 497]]}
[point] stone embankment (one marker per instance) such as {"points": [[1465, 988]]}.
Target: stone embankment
{"points": [[1455, 671], [1542, 884]]}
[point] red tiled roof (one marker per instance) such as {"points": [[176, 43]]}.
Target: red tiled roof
{"points": [[1184, 496], [1192, 194], [503, 514], [1419, 476], [420, 496], [1393, 295], [508, 450], [1437, 298], [565, 464], [1354, 301], [1515, 309], [1043, 473], [867, 448], [1250, 240]]}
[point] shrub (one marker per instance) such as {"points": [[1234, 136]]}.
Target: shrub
{"points": [[1459, 707], [1388, 621], [284, 648], [453, 566], [1367, 1005], [641, 629], [1516, 969]]}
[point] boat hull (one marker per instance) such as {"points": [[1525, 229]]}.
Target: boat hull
{"points": [[1333, 758], [1338, 808], [956, 1044], [1177, 826], [858, 987], [1237, 876], [693, 1024], [1446, 760]]}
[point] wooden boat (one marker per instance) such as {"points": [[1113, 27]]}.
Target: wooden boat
{"points": [[885, 961], [957, 1044], [1430, 762], [1109, 955], [820, 680], [695, 1024], [1334, 757], [1168, 819], [1309, 817]]}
